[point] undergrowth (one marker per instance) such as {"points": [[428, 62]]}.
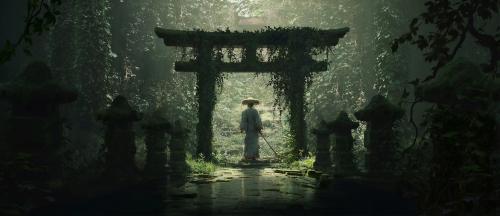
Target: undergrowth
{"points": [[302, 164], [200, 166]]}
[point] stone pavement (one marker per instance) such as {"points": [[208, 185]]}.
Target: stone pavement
{"points": [[235, 191], [243, 191]]}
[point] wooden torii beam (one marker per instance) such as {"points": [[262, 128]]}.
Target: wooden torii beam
{"points": [[296, 39]]}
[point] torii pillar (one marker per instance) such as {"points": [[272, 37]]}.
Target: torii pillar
{"points": [[206, 82], [299, 63]]}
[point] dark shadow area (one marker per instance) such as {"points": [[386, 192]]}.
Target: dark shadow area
{"points": [[129, 200], [357, 197], [247, 191]]}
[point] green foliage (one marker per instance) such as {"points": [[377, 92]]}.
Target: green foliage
{"points": [[300, 164], [200, 166], [288, 156], [306, 163]]}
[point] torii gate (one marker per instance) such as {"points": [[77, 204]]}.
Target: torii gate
{"points": [[297, 40]]}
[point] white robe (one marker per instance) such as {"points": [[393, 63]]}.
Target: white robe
{"points": [[251, 124]]}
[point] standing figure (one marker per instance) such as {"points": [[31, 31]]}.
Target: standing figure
{"points": [[252, 126]]}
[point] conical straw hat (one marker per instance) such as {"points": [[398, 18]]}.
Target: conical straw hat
{"points": [[250, 100]]}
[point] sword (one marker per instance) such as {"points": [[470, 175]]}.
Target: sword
{"points": [[262, 135]]}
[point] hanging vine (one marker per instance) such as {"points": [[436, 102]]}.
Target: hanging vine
{"points": [[296, 53], [218, 54]]}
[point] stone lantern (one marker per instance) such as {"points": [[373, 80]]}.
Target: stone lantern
{"points": [[323, 161], [119, 140], [344, 157], [177, 146], [380, 140], [156, 127], [34, 126]]}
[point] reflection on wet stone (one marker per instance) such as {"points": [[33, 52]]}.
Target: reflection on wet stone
{"points": [[244, 191]]}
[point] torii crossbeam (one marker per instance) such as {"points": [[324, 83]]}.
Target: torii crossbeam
{"points": [[297, 40]]}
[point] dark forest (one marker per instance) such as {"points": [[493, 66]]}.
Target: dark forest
{"points": [[250, 107]]}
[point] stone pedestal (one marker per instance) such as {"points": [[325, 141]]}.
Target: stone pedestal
{"points": [[380, 141], [344, 157], [34, 127], [156, 127], [178, 148], [323, 161], [120, 138]]}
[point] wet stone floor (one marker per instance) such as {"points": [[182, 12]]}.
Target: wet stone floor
{"points": [[242, 191]]}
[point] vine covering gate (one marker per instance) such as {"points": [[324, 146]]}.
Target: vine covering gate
{"points": [[291, 68]]}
